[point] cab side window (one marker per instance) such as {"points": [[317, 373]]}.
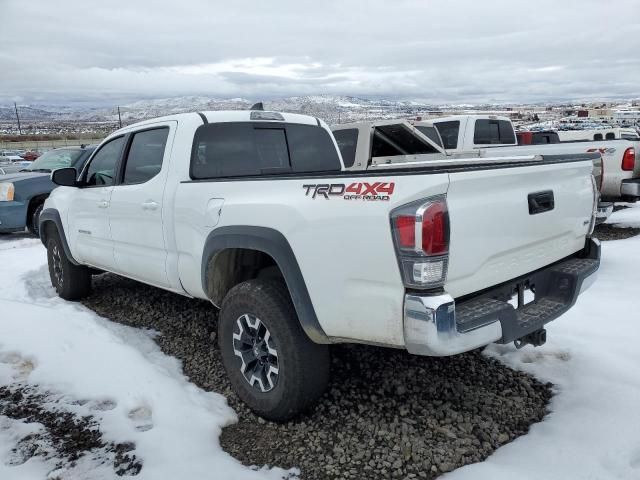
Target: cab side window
{"points": [[102, 168], [449, 133], [144, 160]]}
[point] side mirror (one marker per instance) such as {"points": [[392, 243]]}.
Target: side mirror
{"points": [[65, 177]]}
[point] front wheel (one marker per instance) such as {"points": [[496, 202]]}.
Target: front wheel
{"points": [[72, 282], [34, 222], [272, 365]]}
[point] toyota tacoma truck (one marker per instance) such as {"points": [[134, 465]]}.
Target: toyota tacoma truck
{"points": [[255, 212]]}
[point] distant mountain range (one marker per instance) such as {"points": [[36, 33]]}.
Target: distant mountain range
{"points": [[331, 108], [328, 107]]}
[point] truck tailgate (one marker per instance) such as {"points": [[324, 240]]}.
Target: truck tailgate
{"points": [[503, 224]]}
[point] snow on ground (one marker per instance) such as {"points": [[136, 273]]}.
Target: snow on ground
{"points": [[113, 372], [592, 356], [626, 218]]}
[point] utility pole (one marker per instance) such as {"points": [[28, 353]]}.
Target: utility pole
{"points": [[119, 117], [18, 117]]}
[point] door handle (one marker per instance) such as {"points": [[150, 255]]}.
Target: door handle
{"points": [[150, 205], [103, 204], [540, 202]]}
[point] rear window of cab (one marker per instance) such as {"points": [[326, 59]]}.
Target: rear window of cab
{"points": [[243, 149], [493, 132]]}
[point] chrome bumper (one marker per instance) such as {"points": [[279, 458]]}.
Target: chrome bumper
{"points": [[430, 328], [435, 326], [630, 187]]}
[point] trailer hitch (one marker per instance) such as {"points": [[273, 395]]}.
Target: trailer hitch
{"points": [[537, 338]]}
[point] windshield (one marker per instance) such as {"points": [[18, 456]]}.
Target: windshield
{"points": [[54, 159]]}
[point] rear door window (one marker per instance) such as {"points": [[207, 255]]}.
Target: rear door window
{"points": [[493, 132], [449, 133], [144, 160], [347, 140], [250, 149]]}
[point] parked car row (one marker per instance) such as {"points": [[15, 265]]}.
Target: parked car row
{"points": [[304, 237], [23, 189], [10, 156]]}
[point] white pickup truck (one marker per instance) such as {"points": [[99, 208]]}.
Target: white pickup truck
{"points": [[371, 145], [495, 136], [255, 212]]}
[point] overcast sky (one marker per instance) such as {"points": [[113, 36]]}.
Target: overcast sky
{"points": [[464, 51]]}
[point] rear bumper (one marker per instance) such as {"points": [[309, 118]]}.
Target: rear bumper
{"points": [[13, 216], [630, 188], [437, 325]]}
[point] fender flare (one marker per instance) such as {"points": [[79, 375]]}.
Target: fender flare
{"points": [[53, 216], [273, 243]]}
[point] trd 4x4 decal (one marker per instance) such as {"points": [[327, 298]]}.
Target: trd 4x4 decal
{"points": [[353, 191]]}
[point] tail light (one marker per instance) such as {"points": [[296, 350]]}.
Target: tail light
{"points": [[601, 180], [629, 159], [594, 209], [421, 237]]}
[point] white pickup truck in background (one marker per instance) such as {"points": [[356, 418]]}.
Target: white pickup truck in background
{"points": [[380, 144], [495, 136], [255, 212]]}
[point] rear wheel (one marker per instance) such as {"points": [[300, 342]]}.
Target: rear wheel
{"points": [[72, 282], [272, 365]]}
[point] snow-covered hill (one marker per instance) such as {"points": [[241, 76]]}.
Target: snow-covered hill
{"points": [[329, 107]]}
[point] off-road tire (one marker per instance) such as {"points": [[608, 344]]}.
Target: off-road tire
{"points": [[33, 225], [303, 366], [72, 282]]}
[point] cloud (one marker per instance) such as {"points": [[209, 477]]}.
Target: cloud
{"points": [[460, 51]]}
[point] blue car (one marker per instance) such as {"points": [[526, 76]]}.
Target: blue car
{"points": [[22, 194]]}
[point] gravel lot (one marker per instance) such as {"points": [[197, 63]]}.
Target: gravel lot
{"points": [[386, 414], [609, 231]]}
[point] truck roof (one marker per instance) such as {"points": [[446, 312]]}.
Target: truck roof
{"points": [[220, 116]]}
